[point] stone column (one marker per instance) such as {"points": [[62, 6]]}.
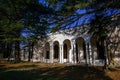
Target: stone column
{"points": [[61, 53], [87, 58], [90, 53], [44, 52], [71, 53], [51, 53], [74, 51]]}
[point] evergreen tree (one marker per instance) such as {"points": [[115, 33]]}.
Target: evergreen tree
{"points": [[102, 25], [16, 16]]}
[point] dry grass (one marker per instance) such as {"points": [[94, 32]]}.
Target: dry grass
{"points": [[41, 71]]}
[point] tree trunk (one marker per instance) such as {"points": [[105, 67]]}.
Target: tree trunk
{"points": [[30, 49], [105, 54], [9, 50], [17, 52]]}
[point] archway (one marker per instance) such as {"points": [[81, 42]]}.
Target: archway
{"points": [[66, 50], [97, 45], [56, 51], [80, 50], [47, 51]]}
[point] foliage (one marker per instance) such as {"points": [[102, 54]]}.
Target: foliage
{"points": [[31, 17], [70, 7], [102, 24], [16, 16]]}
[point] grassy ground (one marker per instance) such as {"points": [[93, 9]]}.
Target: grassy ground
{"points": [[40, 71]]}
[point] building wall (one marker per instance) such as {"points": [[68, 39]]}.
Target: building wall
{"points": [[76, 46]]}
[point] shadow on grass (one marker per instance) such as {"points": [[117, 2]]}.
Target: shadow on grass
{"points": [[54, 73]]}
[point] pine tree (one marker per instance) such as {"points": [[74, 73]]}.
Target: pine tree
{"points": [[16, 16]]}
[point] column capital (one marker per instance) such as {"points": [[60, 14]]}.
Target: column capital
{"points": [[61, 44], [87, 39], [51, 44], [73, 41]]}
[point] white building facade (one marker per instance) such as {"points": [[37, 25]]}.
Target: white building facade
{"points": [[76, 46]]}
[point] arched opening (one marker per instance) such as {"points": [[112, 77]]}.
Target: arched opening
{"points": [[80, 49], [56, 50], [97, 44], [66, 50], [47, 55], [47, 51]]}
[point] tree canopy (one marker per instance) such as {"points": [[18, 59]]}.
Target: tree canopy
{"points": [[70, 10], [19, 17], [37, 17]]}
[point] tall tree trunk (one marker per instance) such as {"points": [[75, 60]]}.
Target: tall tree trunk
{"points": [[30, 49], [105, 54], [2, 50], [8, 51], [17, 51]]}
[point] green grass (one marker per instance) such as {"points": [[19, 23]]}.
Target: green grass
{"points": [[38, 71]]}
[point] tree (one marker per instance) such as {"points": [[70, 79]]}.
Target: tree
{"points": [[102, 24], [16, 16], [69, 8]]}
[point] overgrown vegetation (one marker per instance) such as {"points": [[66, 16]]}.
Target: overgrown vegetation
{"points": [[35, 19]]}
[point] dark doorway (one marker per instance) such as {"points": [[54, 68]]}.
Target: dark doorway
{"points": [[65, 51], [56, 51]]}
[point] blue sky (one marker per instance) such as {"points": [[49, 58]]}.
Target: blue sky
{"points": [[86, 19]]}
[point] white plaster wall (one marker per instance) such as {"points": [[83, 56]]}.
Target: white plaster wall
{"points": [[61, 37]]}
